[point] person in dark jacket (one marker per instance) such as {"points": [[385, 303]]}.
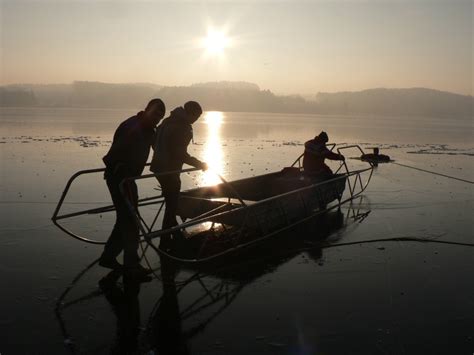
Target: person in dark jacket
{"points": [[127, 158], [170, 153], [315, 152]]}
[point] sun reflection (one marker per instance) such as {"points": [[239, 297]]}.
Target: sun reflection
{"points": [[213, 155]]}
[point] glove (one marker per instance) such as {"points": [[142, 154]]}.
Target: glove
{"points": [[204, 166]]}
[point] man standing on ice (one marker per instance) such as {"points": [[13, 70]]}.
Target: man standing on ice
{"points": [[127, 158], [170, 153]]}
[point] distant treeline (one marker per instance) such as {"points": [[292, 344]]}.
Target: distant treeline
{"points": [[395, 102], [242, 96], [17, 97]]}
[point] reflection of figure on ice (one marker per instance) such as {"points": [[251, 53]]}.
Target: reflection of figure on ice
{"points": [[314, 154], [174, 321], [170, 153], [165, 330], [125, 305], [127, 158], [164, 333]]}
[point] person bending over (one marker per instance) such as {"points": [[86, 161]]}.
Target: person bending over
{"points": [[315, 152], [170, 153]]}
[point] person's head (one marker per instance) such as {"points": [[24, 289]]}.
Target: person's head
{"points": [[154, 112], [323, 136], [193, 111]]}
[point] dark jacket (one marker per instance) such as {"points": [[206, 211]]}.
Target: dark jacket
{"points": [[173, 136], [315, 151], [130, 148]]}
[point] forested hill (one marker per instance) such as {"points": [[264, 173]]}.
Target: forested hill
{"points": [[242, 96], [395, 102]]}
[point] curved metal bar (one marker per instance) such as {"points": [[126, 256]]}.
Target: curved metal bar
{"points": [[68, 186], [109, 208], [353, 146], [347, 169], [55, 217], [350, 146]]}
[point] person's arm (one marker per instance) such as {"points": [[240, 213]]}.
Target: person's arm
{"points": [[333, 156], [182, 151], [322, 151], [114, 156]]}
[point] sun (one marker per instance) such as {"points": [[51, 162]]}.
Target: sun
{"points": [[215, 42]]}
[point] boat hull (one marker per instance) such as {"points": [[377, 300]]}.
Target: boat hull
{"points": [[273, 202]]}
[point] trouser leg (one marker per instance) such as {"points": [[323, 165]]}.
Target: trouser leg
{"points": [[169, 218], [170, 187], [131, 235], [124, 235], [114, 244]]}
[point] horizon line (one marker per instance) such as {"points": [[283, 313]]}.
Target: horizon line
{"points": [[240, 81]]}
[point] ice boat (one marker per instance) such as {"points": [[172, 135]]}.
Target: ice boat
{"points": [[226, 217]]}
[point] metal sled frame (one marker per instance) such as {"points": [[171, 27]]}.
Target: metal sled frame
{"points": [[149, 233], [356, 187]]}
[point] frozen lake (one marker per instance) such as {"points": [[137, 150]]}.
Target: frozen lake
{"points": [[290, 297]]}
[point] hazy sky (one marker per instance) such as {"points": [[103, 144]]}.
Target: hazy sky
{"points": [[287, 47]]}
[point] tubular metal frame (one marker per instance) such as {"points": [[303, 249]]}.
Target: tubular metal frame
{"points": [[148, 233]]}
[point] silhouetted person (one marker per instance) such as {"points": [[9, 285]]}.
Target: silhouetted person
{"points": [[315, 151], [170, 153], [127, 158]]}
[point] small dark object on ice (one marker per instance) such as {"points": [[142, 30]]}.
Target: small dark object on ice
{"points": [[375, 157]]}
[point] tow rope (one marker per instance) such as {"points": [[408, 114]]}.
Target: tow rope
{"points": [[433, 172], [377, 158]]}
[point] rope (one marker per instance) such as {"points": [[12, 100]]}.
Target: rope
{"points": [[328, 245], [434, 173], [396, 239]]}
